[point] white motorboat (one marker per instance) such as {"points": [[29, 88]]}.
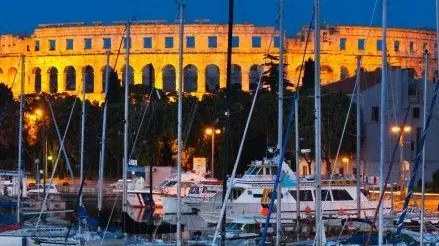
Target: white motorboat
{"points": [[251, 196], [198, 192]]}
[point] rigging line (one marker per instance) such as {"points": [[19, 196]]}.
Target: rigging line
{"points": [[133, 147], [189, 124], [15, 74], [69, 167], [235, 166], [120, 47], [419, 151], [373, 226], [306, 47], [56, 162]]}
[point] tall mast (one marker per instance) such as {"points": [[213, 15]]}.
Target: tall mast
{"points": [[318, 119], [104, 132], [180, 118], [280, 116], [423, 148], [126, 119], [227, 116], [383, 118], [20, 142], [358, 144], [81, 163]]}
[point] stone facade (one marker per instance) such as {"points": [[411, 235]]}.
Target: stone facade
{"points": [[59, 57]]}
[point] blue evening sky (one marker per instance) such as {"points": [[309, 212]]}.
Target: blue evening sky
{"points": [[22, 16]]}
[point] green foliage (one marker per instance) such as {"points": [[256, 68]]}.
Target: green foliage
{"points": [[156, 143]]}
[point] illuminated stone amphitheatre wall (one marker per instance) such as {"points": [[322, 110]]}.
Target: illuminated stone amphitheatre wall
{"points": [[59, 57]]}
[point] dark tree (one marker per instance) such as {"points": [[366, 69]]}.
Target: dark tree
{"points": [[270, 77]]}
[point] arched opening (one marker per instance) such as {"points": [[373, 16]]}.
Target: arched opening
{"points": [[53, 79], [130, 75], [254, 76], [344, 73], [37, 79], [190, 78], [148, 76], [327, 74], [212, 78], [70, 74], [236, 80], [111, 71], [12, 74], [169, 78], [89, 78]]}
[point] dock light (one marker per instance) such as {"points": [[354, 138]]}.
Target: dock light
{"points": [[50, 158], [397, 129]]}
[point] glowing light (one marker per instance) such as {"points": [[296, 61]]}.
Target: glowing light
{"points": [[397, 129], [49, 158]]}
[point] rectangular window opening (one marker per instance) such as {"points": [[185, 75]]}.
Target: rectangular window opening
{"points": [[379, 45], [169, 42], [107, 43], [235, 41], [69, 44], [190, 42], [396, 46], [361, 44], [147, 42], [256, 41], [212, 42], [276, 41], [87, 43], [52, 44], [37, 45], [342, 43]]}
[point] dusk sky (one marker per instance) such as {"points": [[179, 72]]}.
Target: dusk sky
{"points": [[21, 17]]}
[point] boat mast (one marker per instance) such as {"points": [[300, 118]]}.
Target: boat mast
{"points": [[383, 117], [280, 117], [20, 142], [81, 163], [104, 132], [358, 144], [180, 118], [423, 149], [319, 222], [126, 119]]}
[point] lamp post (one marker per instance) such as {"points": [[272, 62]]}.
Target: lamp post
{"points": [[402, 170], [345, 160], [212, 132]]}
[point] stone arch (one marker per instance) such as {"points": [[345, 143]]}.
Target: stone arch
{"points": [[12, 73], [37, 79], [70, 77], [169, 78], [344, 73], [254, 76], [212, 74], [1, 75], [130, 75], [327, 73], [236, 78], [148, 75], [103, 72], [52, 73], [89, 79], [190, 78]]}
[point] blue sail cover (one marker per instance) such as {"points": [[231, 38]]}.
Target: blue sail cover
{"points": [[84, 216]]}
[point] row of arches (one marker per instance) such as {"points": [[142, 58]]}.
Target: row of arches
{"points": [[190, 77]]}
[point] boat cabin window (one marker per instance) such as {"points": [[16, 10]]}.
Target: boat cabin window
{"points": [[305, 195], [326, 195], [236, 192], [365, 192], [251, 228], [257, 195], [341, 195], [273, 170], [170, 183], [194, 190]]}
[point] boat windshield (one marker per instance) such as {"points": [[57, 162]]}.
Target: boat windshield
{"points": [[194, 190], [170, 183], [253, 170]]}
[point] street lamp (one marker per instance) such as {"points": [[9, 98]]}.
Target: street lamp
{"points": [[212, 132], [345, 160], [402, 171]]}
